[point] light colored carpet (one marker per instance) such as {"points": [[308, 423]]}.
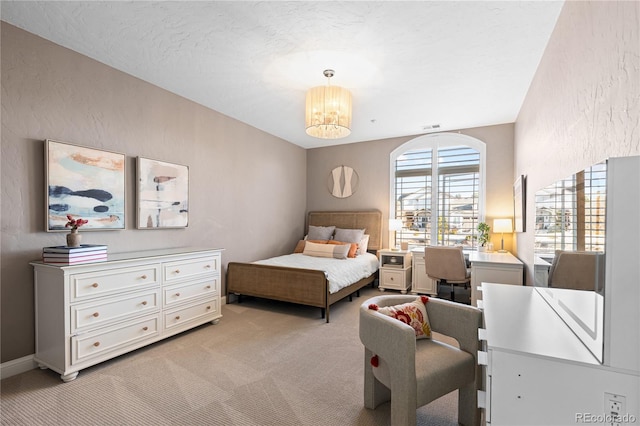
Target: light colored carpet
{"points": [[265, 363]]}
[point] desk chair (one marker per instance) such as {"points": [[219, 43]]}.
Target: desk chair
{"points": [[447, 265], [577, 270]]}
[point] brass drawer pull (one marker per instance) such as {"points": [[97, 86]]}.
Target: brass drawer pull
{"points": [[177, 271], [178, 317], [96, 344], [94, 285], [207, 266], [208, 287], [208, 307], [177, 294], [96, 314], [144, 302], [144, 277], [145, 328]]}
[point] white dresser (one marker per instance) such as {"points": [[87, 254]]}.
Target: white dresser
{"points": [[89, 313]]}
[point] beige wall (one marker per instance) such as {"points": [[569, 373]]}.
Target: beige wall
{"points": [[584, 102], [371, 161], [247, 188]]}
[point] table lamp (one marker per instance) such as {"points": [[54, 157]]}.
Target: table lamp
{"points": [[394, 226], [502, 226]]}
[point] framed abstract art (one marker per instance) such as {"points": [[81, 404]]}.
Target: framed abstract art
{"points": [[163, 194], [85, 183]]}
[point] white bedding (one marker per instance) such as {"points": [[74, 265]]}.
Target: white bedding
{"points": [[340, 272]]}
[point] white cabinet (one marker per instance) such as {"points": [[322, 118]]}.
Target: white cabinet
{"points": [[421, 283], [537, 371], [88, 313], [395, 270]]}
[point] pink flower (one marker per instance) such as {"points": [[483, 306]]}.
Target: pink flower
{"points": [[75, 223]]}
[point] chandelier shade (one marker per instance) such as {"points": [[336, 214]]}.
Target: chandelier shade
{"points": [[328, 111]]}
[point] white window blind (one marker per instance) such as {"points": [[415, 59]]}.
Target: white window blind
{"points": [[452, 204]]}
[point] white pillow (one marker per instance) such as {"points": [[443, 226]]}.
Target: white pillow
{"points": [[363, 245], [336, 251]]}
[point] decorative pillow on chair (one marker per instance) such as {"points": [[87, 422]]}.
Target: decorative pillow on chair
{"points": [[320, 232], [412, 313]]}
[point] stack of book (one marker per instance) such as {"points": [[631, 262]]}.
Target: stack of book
{"points": [[64, 255]]}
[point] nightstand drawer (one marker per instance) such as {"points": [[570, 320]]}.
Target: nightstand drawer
{"points": [[391, 278]]}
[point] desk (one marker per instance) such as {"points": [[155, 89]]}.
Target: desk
{"points": [[502, 268]]}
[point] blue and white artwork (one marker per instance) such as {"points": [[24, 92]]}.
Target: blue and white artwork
{"points": [[163, 194], [85, 183]]}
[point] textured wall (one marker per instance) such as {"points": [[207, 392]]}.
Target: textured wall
{"points": [[247, 188], [584, 103], [371, 161]]}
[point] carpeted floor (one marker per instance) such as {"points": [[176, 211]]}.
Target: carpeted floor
{"points": [[265, 363]]}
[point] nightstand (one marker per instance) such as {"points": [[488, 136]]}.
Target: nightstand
{"points": [[395, 270]]}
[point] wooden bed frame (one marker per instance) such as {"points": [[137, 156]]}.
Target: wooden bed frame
{"points": [[305, 286]]}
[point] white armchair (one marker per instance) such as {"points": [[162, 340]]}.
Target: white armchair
{"points": [[411, 372]]}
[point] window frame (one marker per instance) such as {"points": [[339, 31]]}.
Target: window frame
{"points": [[435, 142]]}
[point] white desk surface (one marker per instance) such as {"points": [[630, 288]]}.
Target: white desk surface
{"points": [[518, 319], [493, 257], [482, 257]]}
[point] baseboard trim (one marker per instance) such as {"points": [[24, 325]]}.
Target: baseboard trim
{"points": [[17, 366]]}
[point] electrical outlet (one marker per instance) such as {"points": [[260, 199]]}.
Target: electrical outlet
{"points": [[615, 406]]}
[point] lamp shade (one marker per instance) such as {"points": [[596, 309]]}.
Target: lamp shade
{"points": [[328, 111], [395, 225], [502, 225]]}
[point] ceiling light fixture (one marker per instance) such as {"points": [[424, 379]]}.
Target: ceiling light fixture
{"points": [[328, 111]]}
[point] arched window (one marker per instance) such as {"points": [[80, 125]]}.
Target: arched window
{"points": [[438, 189]]}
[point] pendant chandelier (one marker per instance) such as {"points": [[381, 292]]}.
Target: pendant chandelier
{"points": [[328, 111]]}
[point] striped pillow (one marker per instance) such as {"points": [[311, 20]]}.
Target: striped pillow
{"points": [[326, 250]]}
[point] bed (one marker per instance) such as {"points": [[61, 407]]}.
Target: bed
{"points": [[304, 284]]}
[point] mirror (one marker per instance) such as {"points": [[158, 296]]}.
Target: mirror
{"points": [[570, 227]]}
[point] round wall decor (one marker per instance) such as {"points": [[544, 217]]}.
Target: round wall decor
{"points": [[343, 182]]}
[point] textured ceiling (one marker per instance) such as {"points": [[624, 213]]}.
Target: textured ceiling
{"points": [[457, 64]]}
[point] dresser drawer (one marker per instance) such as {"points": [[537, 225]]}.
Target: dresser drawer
{"points": [[188, 291], [174, 271], [103, 283], [178, 317], [107, 310], [87, 346]]}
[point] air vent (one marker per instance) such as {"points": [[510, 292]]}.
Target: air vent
{"points": [[431, 127]]}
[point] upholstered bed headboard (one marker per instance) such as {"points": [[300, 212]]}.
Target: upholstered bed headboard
{"points": [[369, 220]]}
